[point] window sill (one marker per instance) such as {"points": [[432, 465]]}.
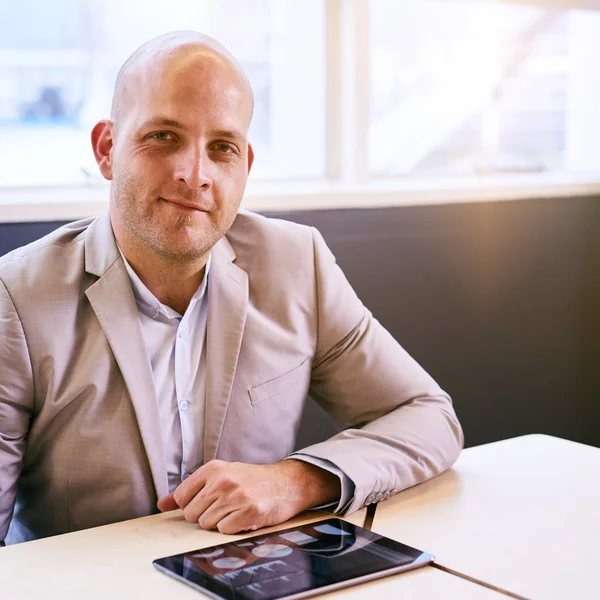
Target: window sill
{"points": [[19, 205]]}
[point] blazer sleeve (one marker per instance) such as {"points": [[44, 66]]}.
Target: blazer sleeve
{"points": [[398, 427], [16, 404]]}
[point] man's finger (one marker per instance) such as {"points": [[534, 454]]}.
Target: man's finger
{"points": [[167, 503], [218, 510], [187, 490], [235, 522]]}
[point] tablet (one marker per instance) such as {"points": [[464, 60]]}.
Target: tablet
{"points": [[294, 563]]}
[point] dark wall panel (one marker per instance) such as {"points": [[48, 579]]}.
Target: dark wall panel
{"points": [[499, 301], [13, 235]]}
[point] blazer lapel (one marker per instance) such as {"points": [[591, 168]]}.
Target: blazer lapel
{"points": [[227, 306], [113, 302]]}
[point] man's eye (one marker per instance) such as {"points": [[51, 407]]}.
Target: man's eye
{"points": [[162, 136], [223, 148]]}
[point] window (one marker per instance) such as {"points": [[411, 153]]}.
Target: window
{"points": [[59, 61], [351, 95], [473, 87]]}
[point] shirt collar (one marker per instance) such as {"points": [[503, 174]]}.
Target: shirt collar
{"points": [[144, 296]]}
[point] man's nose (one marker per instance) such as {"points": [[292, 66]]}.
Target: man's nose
{"points": [[194, 169]]}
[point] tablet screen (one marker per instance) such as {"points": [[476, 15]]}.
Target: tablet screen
{"points": [[293, 563]]}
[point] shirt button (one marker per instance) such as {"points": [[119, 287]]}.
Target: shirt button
{"points": [[184, 405]]}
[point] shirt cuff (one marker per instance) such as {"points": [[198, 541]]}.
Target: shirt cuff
{"points": [[346, 484]]}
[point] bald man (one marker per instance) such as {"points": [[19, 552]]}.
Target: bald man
{"points": [[159, 356]]}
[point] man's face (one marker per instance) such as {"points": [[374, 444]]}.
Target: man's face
{"points": [[180, 156]]}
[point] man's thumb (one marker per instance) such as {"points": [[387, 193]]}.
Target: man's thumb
{"points": [[167, 503]]}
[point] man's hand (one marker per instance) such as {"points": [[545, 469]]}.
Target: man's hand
{"points": [[234, 497]]}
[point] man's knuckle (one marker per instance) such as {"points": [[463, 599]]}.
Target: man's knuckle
{"points": [[213, 465], [241, 496], [228, 528], [226, 483], [190, 515]]}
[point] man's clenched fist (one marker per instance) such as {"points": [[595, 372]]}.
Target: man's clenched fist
{"points": [[234, 497]]}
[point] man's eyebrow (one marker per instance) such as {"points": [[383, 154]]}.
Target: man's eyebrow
{"points": [[163, 122], [226, 133]]}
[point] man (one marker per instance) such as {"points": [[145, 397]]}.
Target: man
{"points": [[163, 351]]}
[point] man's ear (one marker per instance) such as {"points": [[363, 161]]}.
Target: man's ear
{"points": [[250, 156], [102, 145]]}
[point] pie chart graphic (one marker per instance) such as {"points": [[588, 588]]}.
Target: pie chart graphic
{"points": [[229, 562], [272, 550]]}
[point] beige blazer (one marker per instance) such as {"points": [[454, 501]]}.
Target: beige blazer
{"points": [[80, 441]]}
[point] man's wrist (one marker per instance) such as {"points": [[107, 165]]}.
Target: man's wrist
{"points": [[314, 486]]}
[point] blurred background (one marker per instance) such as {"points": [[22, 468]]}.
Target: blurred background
{"points": [[517, 82], [448, 150]]}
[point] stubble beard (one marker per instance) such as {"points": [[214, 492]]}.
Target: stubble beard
{"points": [[139, 221]]}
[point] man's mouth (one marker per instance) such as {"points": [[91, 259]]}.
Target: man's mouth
{"points": [[186, 206]]}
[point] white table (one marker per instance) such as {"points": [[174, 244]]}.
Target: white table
{"points": [[115, 562], [522, 515]]}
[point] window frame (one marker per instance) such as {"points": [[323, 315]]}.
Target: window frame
{"points": [[347, 182]]}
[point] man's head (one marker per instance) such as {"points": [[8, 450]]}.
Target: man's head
{"points": [[176, 148]]}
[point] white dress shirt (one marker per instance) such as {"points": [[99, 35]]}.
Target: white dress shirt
{"points": [[176, 348]]}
